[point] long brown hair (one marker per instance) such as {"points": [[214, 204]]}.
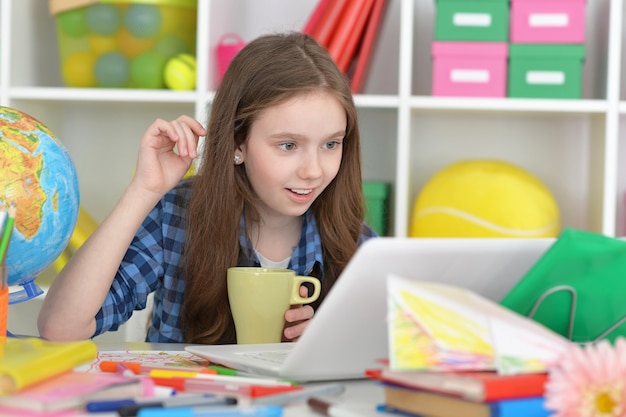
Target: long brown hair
{"points": [[269, 70]]}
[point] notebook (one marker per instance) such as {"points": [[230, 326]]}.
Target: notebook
{"points": [[348, 333]]}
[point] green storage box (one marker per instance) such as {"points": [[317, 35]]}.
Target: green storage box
{"points": [[545, 71], [377, 205], [467, 20]]}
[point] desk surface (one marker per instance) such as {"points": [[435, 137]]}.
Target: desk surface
{"points": [[360, 396]]}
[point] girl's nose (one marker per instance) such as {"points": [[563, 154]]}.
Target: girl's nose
{"points": [[310, 166]]}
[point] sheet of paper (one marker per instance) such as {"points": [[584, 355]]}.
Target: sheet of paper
{"points": [[440, 327], [179, 358]]}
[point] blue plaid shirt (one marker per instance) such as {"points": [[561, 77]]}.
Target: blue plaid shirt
{"points": [[153, 260]]}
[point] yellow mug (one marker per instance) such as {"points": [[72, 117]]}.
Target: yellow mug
{"points": [[259, 298]]}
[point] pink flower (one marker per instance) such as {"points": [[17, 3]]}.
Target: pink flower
{"points": [[589, 381]]}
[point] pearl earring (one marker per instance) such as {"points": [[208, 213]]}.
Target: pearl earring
{"points": [[238, 160]]}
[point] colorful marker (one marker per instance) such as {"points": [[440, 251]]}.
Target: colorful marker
{"points": [[176, 403], [142, 369], [264, 411], [194, 385], [167, 373]]}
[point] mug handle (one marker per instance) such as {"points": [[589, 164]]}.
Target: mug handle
{"points": [[298, 281]]}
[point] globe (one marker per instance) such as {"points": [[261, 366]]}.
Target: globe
{"points": [[38, 176]]}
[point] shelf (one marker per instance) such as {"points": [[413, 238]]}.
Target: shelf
{"points": [[101, 94], [575, 146], [165, 96], [376, 101], [622, 107], [361, 100], [509, 105]]}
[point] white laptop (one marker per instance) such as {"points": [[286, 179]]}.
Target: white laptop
{"points": [[348, 333]]}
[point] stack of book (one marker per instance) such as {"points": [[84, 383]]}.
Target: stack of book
{"points": [[38, 376], [462, 393], [41, 378], [31, 360], [348, 30], [453, 352]]}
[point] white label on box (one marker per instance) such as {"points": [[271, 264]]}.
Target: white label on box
{"points": [[545, 77], [469, 76], [471, 19], [548, 20]]}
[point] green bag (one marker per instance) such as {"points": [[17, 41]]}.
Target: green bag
{"points": [[577, 288]]}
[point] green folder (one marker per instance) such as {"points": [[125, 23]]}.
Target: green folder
{"points": [[577, 288]]}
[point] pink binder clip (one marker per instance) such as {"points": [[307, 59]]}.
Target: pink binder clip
{"points": [[229, 45]]}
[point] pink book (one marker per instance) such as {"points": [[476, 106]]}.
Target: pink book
{"points": [[15, 412], [72, 390]]}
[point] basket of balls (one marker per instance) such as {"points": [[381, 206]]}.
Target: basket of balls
{"points": [[127, 43]]}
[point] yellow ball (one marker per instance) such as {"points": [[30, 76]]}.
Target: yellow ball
{"points": [[132, 46], [102, 44], [485, 198], [78, 70], [180, 72]]}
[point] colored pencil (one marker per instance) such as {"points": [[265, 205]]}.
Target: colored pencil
{"points": [[6, 233]]}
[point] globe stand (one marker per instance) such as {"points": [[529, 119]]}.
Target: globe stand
{"points": [[29, 291]]}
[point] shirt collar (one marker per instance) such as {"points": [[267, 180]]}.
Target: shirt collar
{"points": [[305, 255]]}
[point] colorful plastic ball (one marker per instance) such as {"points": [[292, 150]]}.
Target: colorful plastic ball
{"points": [[178, 19], [170, 45], [112, 70], [78, 70], [146, 71], [180, 72], [103, 19], [143, 20], [101, 44], [131, 46], [73, 22]]}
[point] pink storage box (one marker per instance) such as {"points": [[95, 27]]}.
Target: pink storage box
{"points": [[228, 46], [469, 69], [547, 21]]}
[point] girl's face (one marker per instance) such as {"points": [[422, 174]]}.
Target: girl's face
{"points": [[293, 152]]}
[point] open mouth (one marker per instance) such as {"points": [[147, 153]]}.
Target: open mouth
{"points": [[301, 191]]}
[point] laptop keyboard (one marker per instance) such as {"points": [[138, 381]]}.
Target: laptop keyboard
{"points": [[277, 356]]}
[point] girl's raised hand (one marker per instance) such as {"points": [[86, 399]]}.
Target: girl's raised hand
{"points": [[166, 152]]}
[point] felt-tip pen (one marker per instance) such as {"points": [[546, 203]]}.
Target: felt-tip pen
{"points": [[384, 408], [222, 388], [100, 406], [176, 402], [303, 394], [162, 373], [229, 371], [260, 411], [329, 409], [234, 372], [158, 394], [144, 369]]}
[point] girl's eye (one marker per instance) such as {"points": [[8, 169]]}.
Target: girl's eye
{"points": [[332, 145], [287, 146]]}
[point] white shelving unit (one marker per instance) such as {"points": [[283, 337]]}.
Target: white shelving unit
{"points": [[574, 146], [571, 145]]}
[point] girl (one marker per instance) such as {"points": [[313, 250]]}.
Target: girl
{"points": [[279, 186]]}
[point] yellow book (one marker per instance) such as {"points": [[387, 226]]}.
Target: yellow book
{"points": [[30, 360]]}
